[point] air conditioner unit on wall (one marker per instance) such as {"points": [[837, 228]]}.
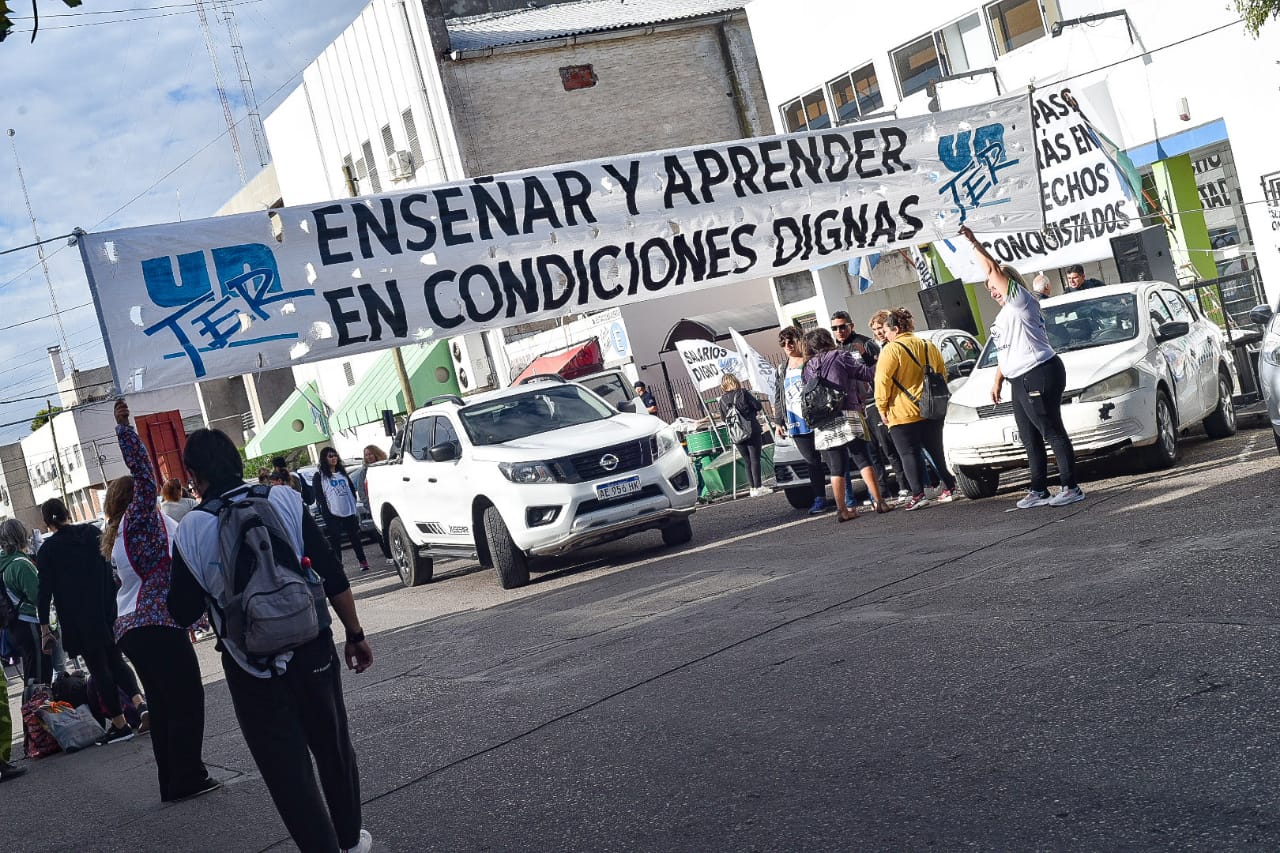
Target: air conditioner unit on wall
{"points": [[400, 166], [471, 362]]}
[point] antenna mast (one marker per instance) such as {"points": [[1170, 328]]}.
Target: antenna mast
{"points": [[222, 92]]}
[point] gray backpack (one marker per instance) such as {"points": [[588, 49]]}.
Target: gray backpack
{"points": [[274, 602]]}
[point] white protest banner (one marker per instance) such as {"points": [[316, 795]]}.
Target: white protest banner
{"points": [[1087, 199], [707, 362], [923, 269], [219, 297], [760, 373]]}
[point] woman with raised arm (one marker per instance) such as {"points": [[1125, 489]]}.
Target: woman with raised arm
{"points": [[138, 540], [1036, 377]]}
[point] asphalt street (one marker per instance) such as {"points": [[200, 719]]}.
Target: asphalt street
{"points": [[1101, 676]]}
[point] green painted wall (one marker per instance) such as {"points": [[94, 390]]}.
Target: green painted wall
{"points": [[1175, 181]]}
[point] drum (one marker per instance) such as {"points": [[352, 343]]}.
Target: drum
{"points": [[706, 441]]}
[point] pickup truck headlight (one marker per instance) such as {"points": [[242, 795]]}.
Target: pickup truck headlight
{"points": [[666, 441], [527, 472], [958, 414], [1113, 386]]}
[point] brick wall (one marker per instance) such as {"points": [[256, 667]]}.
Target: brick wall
{"points": [[662, 90]]}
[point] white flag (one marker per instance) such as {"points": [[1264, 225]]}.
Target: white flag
{"points": [[760, 372], [707, 362]]}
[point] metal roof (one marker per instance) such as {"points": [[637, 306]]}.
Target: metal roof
{"points": [[569, 19]]}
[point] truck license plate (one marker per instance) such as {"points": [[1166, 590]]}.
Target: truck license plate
{"points": [[618, 489]]}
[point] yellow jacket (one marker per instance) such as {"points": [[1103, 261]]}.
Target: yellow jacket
{"points": [[894, 363]]}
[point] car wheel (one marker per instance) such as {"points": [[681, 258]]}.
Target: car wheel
{"points": [[511, 563], [678, 532], [413, 568], [1222, 420], [1164, 452], [800, 498], [978, 482]]}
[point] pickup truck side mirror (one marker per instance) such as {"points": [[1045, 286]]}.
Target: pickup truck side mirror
{"points": [[965, 368], [626, 406], [1169, 331], [444, 452], [1260, 314]]}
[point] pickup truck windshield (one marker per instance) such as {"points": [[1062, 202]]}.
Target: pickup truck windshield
{"points": [[543, 409]]}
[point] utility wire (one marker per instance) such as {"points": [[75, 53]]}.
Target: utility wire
{"points": [[185, 11], [36, 243], [45, 316]]}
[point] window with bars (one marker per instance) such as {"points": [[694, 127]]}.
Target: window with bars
{"points": [[371, 165], [388, 141], [348, 373], [411, 133]]}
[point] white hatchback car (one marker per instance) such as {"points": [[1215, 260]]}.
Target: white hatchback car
{"points": [[1143, 364]]}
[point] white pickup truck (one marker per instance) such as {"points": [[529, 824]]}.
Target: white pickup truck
{"points": [[538, 469]]}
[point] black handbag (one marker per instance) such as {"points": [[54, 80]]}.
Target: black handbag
{"points": [[821, 400], [934, 393]]}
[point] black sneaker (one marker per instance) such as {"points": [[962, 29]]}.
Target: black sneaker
{"points": [[116, 734], [9, 771], [209, 784]]}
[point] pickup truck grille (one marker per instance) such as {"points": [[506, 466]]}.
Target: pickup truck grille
{"points": [[586, 466]]}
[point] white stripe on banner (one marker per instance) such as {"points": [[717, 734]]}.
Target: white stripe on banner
{"points": [[224, 296]]}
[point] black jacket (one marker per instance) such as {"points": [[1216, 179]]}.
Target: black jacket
{"points": [[79, 582], [747, 404]]}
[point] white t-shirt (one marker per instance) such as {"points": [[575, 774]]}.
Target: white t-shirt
{"points": [[337, 494], [197, 542], [1019, 334]]}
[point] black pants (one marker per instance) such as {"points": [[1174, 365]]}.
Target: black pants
{"points": [[36, 665], [166, 663], [885, 449], [750, 450], [335, 526], [817, 482], [110, 673], [1037, 410], [910, 439], [288, 719]]}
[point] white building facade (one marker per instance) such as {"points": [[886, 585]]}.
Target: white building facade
{"points": [[1179, 87]]}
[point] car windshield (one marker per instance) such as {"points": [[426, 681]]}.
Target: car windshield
{"points": [[1083, 324], [543, 409]]}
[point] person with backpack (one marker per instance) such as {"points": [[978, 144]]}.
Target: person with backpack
{"points": [[902, 375], [75, 577], [138, 540], [740, 410], [833, 386], [335, 494], [257, 560], [1037, 378], [21, 589]]}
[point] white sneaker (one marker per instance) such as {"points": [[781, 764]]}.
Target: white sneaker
{"points": [[1067, 496], [904, 494], [364, 845], [1034, 499]]}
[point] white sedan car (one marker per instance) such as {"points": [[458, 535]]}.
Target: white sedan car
{"points": [[1143, 364]]}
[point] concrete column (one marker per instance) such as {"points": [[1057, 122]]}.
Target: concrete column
{"points": [[1175, 182]]}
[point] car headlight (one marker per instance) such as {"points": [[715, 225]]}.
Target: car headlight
{"points": [[1113, 386], [958, 414], [527, 472], [665, 441]]}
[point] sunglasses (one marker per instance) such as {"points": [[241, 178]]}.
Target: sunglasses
{"points": [[836, 327]]}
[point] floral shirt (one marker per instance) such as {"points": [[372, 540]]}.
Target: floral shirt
{"points": [[142, 552]]}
